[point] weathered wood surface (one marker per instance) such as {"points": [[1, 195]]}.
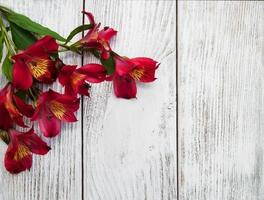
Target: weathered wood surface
{"points": [[130, 146], [221, 99], [58, 174]]}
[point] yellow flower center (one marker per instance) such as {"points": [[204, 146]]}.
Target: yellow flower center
{"points": [[22, 151], [137, 74], [39, 67], [76, 78], [57, 109]]}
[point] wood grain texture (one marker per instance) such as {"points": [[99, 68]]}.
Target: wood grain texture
{"points": [[58, 174], [221, 98], [130, 145]]}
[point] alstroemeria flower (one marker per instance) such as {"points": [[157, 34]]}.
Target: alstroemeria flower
{"points": [[128, 71], [74, 79], [12, 108], [52, 108], [35, 62], [96, 39], [18, 156]]}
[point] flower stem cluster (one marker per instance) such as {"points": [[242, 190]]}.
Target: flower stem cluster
{"points": [[33, 59]]}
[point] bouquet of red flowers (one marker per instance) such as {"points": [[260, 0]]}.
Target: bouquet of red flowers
{"points": [[32, 58]]}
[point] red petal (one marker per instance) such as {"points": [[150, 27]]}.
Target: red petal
{"points": [[43, 98], [22, 78], [65, 74], [93, 45], [90, 40], [150, 63], [76, 80], [109, 77], [49, 125], [13, 111], [69, 91], [24, 108], [43, 47], [47, 96], [122, 66], [105, 55], [144, 69], [107, 33], [143, 74], [33, 142], [72, 87], [62, 111], [18, 157], [84, 89], [90, 17], [37, 113], [95, 73], [71, 103], [63, 107], [5, 122], [19, 121], [58, 105], [124, 86]]}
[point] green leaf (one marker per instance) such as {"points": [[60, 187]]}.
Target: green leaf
{"points": [[78, 30], [21, 94], [54, 56], [96, 53], [7, 68], [1, 45], [5, 10], [26, 23], [109, 64], [21, 37]]}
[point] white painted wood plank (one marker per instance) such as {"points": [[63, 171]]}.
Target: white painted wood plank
{"points": [[58, 174], [221, 99], [130, 145]]}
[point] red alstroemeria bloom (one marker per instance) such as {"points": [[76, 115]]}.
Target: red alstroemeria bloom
{"points": [[96, 39], [74, 79], [18, 156], [128, 71], [12, 108], [35, 61], [52, 108]]}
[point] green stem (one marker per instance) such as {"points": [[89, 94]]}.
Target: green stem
{"points": [[9, 44], [5, 10], [64, 46], [68, 48], [32, 95], [63, 50]]}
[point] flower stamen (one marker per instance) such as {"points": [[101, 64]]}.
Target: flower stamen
{"points": [[39, 67], [22, 151], [137, 74], [57, 109]]}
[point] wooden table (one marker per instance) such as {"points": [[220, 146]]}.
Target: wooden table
{"points": [[133, 150]]}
